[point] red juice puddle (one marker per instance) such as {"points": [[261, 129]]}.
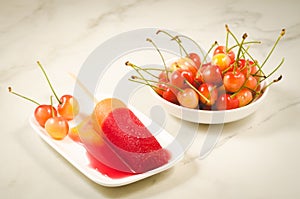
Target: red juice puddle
{"points": [[106, 170]]}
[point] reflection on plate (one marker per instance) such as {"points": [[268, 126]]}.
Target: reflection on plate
{"points": [[76, 154]]}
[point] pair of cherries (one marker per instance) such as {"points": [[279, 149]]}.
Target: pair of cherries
{"points": [[54, 120]]}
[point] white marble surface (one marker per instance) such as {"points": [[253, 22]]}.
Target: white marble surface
{"points": [[257, 157]]}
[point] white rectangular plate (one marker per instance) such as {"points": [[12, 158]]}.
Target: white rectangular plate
{"points": [[76, 154]]}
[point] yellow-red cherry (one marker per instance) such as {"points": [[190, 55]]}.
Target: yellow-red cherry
{"points": [[43, 112], [170, 95], [180, 76], [222, 50], [188, 98], [244, 97], [251, 83], [195, 58], [233, 81], [222, 60], [211, 74], [68, 107], [210, 92], [57, 127], [226, 102]]}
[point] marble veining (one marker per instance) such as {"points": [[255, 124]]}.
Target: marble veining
{"points": [[252, 158]]}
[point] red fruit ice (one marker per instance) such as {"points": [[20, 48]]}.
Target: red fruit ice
{"points": [[128, 138]]}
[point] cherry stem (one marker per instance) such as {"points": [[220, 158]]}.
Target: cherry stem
{"points": [[178, 41], [198, 46], [176, 38], [247, 42], [248, 54], [205, 57], [146, 70], [227, 36], [275, 44], [279, 65], [155, 46], [240, 48], [51, 102], [137, 70], [22, 96], [133, 78], [197, 91], [209, 50], [264, 88], [45, 74]]}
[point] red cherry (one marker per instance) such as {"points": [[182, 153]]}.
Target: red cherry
{"points": [[183, 63], [160, 88], [57, 127], [188, 98], [43, 112], [180, 76], [209, 91], [170, 96], [222, 49], [162, 77], [68, 107], [211, 74], [248, 67], [233, 81], [244, 97], [222, 60], [196, 59], [251, 83], [226, 102]]}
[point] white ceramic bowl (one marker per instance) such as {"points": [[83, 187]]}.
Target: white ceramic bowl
{"points": [[211, 117]]}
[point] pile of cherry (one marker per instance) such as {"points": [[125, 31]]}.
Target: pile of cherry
{"points": [[232, 79], [55, 119]]}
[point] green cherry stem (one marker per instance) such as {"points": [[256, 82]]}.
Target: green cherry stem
{"points": [[248, 54], [240, 47], [245, 43], [282, 33], [226, 41], [279, 65], [198, 46], [146, 82], [141, 75], [197, 91], [209, 50], [205, 57], [146, 70], [22, 96], [174, 39], [51, 102], [162, 57], [264, 88], [45, 74]]}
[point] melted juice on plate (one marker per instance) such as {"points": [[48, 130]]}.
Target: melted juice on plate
{"points": [[106, 170]]}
